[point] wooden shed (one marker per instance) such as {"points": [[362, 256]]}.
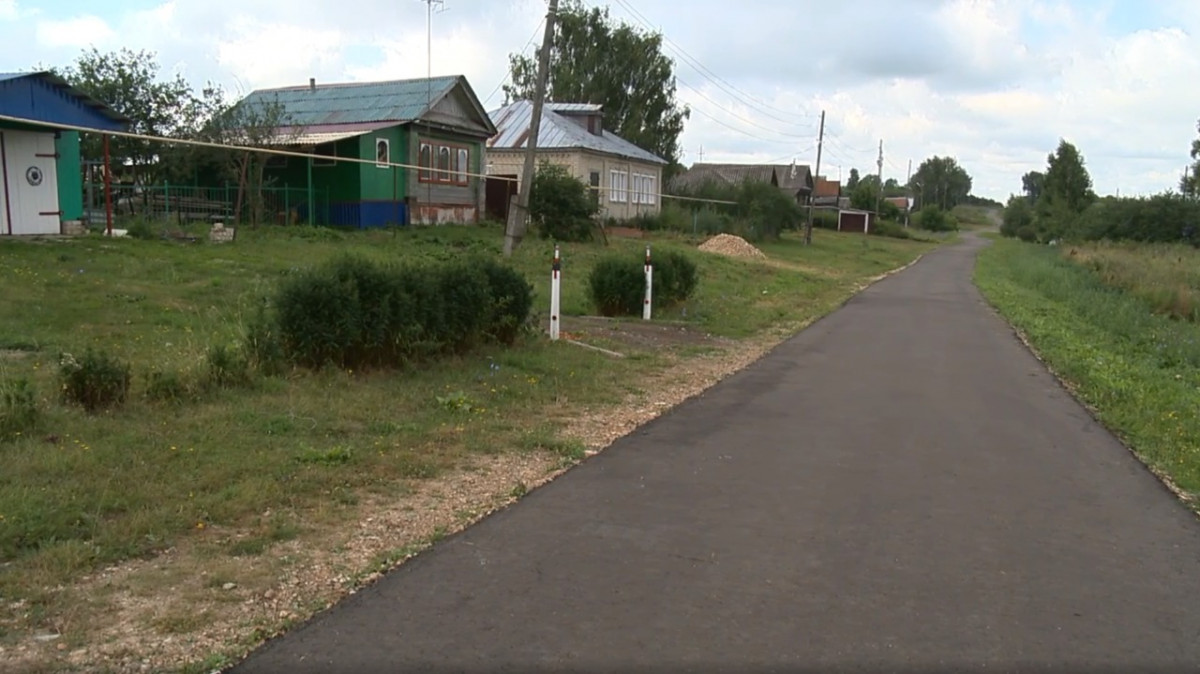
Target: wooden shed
{"points": [[41, 184]]}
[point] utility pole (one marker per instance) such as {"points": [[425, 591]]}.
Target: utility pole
{"points": [[879, 195], [441, 6], [908, 191], [701, 152], [816, 177], [519, 213]]}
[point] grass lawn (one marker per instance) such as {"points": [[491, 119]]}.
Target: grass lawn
{"points": [[1094, 315], [288, 457]]}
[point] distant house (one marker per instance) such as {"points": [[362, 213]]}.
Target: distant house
{"points": [[903, 203], [435, 124], [625, 179], [41, 186], [795, 180], [827, 192]]}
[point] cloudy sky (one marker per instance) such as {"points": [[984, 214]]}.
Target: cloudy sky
{"points": [[994, 83]]}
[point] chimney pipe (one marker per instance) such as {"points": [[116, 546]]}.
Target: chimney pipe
{"points": [[312, 84]]}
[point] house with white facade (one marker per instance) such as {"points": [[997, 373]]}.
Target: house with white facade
{"points": [[625, 179]]}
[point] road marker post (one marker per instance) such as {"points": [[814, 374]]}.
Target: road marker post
{"points": [[646, 306], [555, 293]]}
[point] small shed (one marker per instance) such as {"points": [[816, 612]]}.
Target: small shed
{"points": [[41, 185], [859, 222]]}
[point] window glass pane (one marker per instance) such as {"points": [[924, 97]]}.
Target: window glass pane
{"points": [[464, 164], [426, 160]]}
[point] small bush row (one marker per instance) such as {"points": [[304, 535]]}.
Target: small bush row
{"points": [[357, 313], [617, 284]]}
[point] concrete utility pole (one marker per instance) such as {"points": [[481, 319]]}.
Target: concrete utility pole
{"points": [[519, 213], [908, 191], [816, 176], [879, 195]]}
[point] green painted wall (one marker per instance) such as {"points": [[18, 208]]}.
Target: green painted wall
{"points": [[70, 176], [342, 180], [447, 193], [383, 184]]}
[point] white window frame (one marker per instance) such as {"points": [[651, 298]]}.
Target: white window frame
{"points": [[387, 144], [651, 190], [618, 186]]}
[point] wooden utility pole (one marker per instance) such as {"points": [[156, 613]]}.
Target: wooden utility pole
{"points": [[816, 177], [518, 215], [908, 191]]}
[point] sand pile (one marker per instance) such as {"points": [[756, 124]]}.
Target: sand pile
{"points": [[733, 246]]}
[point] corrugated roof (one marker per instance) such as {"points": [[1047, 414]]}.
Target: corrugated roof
{"points": [[83, 98], [724, 174], [557, 132], [795, 177], [319, 134], [827, 188], [349, 103], [575, 107]]}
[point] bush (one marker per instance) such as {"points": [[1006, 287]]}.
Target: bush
{"points": [[934, 219], [618, 283], [227, 367], [140, 229], [263, 348], [18, 408], [674, 277], [825, 219], [1027, 234], [767, 210], [890, 229], [356, 313], [96, 382], [170, 387], [618, 286], [561, 206], [1018, 215]]}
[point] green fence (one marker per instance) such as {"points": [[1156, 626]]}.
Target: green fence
{"points": [[189, 203]]}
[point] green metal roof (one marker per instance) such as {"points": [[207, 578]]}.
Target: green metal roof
{"points": [[395, 101]]}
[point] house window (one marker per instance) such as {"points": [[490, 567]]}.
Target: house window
{"points": [[650, 190], [425, 161], [383, 152], [463, 164], [594, 183], [618, 186], [453, 163]]}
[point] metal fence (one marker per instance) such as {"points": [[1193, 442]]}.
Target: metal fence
{"points": [[191, 203]]}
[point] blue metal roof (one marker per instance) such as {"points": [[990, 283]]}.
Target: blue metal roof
{"points": [[48, 98], [557, 131], [396, 101]]}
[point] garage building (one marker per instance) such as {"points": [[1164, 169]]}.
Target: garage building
{"points": [[41, 184]]}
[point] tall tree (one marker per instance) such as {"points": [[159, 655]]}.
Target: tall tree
{"points": [[1067, 183], [941, 182], [1032, 184], [1190, 183], [852, 182], [593, 59], [130, 83]]}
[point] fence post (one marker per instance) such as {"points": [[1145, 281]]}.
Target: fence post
{"points": [[555, 293], [649, 285], [167, 200]]}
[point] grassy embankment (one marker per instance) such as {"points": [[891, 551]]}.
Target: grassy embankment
{"points": [[1118, 323]]}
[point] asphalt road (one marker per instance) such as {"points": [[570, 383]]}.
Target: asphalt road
{"points": [[901, 487]]}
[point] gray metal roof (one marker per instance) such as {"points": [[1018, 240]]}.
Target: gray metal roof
{"points": [[558, 132], [724, 174], [395, 101]]}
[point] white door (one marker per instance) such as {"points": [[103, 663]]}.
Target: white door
{"points": [[29, 164]]}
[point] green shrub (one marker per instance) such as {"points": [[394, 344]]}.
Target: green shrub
{"points": [[96, 382], [227, 367], [890, 229], [934, 219], [675, 277], [1018, 215], [767, 210], [263, 348], [356, 313], [139, 229], [18, 408], [617, 286], [511, 301], [825, 219], [1027, 233], [561, 206], [169, 387]]}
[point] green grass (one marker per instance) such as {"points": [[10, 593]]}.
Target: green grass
{"points": [[177, 461], [1167, 276], [1139, 370]]}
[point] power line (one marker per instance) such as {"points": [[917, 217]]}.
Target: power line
{"points": [[706, 72], [524, 50]]}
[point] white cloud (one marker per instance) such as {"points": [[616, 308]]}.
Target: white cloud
{"points": [[275, 54], [9, 10], [78, 32]]}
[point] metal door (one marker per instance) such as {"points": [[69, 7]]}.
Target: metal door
{"points": [[29, 164]]}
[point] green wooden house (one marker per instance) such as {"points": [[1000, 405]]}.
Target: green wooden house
{"points": [[435, 124]]}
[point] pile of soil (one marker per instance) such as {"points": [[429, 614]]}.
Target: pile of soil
{"points": [[733, 246]]}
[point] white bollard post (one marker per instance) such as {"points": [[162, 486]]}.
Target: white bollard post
{"points": [[649, 286], [555, 293]]}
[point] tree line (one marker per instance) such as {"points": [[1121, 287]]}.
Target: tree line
{"points": [[1060, 203]]}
